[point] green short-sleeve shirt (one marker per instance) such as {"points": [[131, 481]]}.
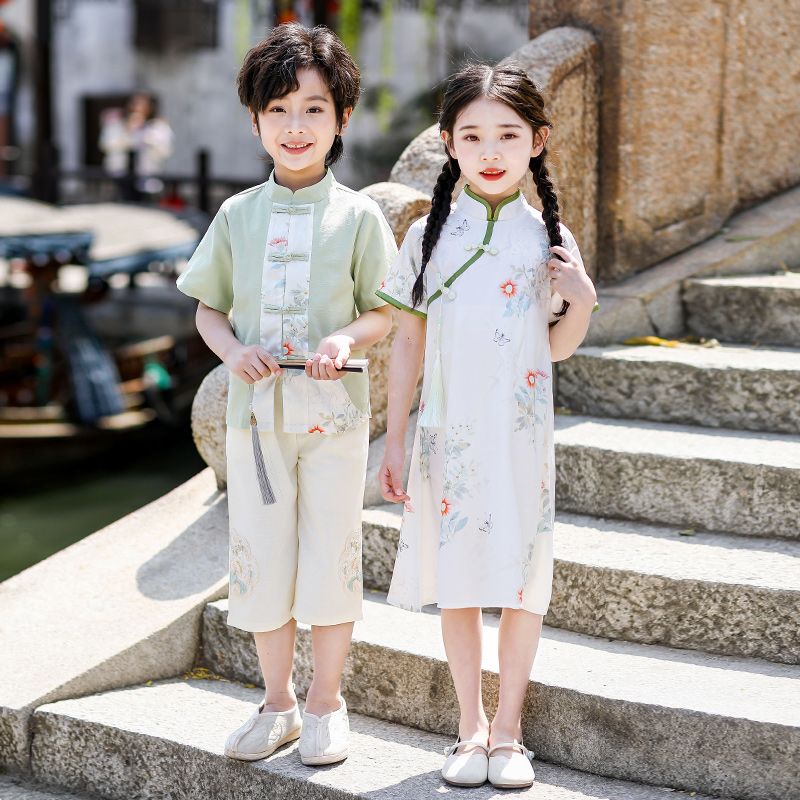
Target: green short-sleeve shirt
{"points": [[347, 245]]}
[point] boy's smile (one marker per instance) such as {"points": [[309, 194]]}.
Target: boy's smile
{"points": [[298, 129]]}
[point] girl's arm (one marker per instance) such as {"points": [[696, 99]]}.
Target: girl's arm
{"points": [[334, 350], [247, 362], [404, 365], [569, 279]]}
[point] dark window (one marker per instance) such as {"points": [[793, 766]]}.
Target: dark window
{"points": [[176, 24]]}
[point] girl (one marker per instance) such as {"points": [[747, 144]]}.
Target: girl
{"points": [[295, 262], [480, 281]]}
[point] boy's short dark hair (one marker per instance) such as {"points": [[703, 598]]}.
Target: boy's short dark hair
{"points": [[270, 68]]}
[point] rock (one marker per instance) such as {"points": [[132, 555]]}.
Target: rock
{"points": [[401, 205], [666, 183], [208, 421]]}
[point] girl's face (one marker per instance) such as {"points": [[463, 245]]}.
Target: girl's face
{"points": [[297, 130], [493, 146]]}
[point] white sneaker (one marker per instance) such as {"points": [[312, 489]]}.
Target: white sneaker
{"points": [[510, 765], [325, 739], [263, 734], [465, 769]]}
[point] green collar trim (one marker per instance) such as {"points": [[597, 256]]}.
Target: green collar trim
{"points": [[491, 217]]}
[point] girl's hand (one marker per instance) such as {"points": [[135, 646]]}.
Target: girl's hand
{"points": [[250, 363], [391, 474], [332, 354], [569, 278]]}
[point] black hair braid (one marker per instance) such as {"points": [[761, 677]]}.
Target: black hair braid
{"points": [[335, 153], [440, 211], [547, 194]]}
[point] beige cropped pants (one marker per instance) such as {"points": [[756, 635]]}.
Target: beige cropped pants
{"points": [[300, 557]]}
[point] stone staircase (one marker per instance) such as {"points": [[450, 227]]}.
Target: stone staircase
{"points": [[669, 662]]}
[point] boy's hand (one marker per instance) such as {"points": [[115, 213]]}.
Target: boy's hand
{"points": [[332, 354], [251, 362], [391, 474]]}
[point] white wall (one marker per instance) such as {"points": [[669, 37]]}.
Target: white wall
{"points": [[94, 54]]}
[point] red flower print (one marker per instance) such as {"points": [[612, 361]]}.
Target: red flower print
{"points": [[508, 288], [383, 285], [532, 375], [316, 429], [278, 241], [287, 349], [445, 507], [519, 596]]}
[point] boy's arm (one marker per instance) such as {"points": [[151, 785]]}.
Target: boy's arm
{"points": [[334, 350], [247, 362], [404, 366]]}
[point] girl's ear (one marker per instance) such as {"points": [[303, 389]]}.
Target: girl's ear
{"points": [[254, 123], [539, 141], [345, 118], [448, 143]]}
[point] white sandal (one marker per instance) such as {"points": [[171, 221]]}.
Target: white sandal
{"points": [[466, 769], [513, 769]]}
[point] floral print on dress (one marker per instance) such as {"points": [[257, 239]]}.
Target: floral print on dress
{"points": [[531, 396], [427, 448], [350, 563], [243, 567], [460, 471], [545, 525]]}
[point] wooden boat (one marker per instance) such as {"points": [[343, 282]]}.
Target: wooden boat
{"points": [[96, 354]]}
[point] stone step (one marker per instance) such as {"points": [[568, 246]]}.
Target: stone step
{"points": [[641, 583], [644, 713], [731, 386], [165, 741], [745, 308], [15, 787], [714, 479]]}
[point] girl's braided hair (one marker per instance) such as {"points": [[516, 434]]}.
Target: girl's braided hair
{"points": [[270, 71], [509, 84]]}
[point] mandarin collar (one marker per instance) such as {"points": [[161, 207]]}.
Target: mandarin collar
{"points": [[475, 207], [308, 194]]}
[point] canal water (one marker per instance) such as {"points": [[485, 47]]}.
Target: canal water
{"points": [[41, 516]]}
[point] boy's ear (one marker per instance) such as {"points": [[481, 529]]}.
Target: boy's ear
{"points": [[254, 122], [345, 118], [539, 141]]}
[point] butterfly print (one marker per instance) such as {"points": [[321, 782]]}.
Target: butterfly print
{"points": [[461, 229], [500, 338]]}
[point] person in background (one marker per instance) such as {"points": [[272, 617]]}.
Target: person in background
{"points": [[137, 129]]}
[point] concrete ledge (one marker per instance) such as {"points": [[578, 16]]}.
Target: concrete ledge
{"points": [[12, 788], [745, 308], [746, 388], [641, 583], [714, 479], [650, 714], [649, 303], [121, 606], [166, 741]]}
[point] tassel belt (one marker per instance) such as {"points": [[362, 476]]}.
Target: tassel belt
{"points": [[270, 308], [286, 257]]}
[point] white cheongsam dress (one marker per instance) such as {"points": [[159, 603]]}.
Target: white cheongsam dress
{"points": [[478, 531]]}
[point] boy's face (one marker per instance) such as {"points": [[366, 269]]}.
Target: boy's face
{"points": [[297, 130], [493, 145]]}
